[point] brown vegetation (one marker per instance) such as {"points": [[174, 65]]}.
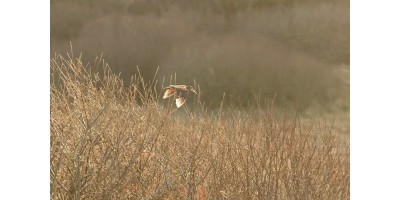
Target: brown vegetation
{"points": [[111, 141]]}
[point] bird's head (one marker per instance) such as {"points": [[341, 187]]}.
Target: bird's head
{"points": [[190, 89]]}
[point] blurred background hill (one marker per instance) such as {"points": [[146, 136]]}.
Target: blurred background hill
{"points": [[296, 50]]}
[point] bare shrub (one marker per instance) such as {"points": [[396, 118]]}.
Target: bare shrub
{"points": [[109, 141]]}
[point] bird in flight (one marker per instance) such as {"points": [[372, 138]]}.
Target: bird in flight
{"points": [[180, 91]]}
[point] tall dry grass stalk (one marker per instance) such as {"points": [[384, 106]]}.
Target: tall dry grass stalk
{"points": [[110, 141]]}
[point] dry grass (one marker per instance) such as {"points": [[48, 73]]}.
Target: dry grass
{"points": [[109, 141]]}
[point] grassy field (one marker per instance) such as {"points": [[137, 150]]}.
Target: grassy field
{"points": [[113, 140], [271, 121]]}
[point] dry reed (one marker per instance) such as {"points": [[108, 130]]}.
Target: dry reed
{"points": [[110, 141]]}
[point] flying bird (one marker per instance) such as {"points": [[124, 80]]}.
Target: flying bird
{"points": [[180, 91]]}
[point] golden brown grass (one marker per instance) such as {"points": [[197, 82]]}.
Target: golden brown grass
{"points": [[110, 141]]}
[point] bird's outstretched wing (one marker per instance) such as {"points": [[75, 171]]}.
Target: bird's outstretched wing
{"points": [[170, 91], [180, 97]]}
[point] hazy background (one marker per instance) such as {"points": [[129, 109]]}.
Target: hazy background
{"points": [[298, 50]]}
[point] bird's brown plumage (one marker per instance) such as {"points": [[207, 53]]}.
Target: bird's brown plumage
{"points": [[180, 91]]}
